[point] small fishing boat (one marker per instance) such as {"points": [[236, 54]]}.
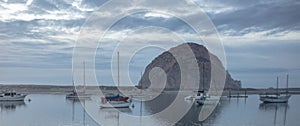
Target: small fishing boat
{"points": [[12, 96], [278, 97], [208, 100], [202, 98], [199, 96]]}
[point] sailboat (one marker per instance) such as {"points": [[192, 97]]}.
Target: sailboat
{"points": [[277, 98], [79, 94], [117, 97], [116, 101]]}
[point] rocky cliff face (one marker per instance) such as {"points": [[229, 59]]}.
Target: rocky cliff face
{"points": [[168, 63]]}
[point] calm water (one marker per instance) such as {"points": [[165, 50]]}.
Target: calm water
{"points": [[56, 110]]}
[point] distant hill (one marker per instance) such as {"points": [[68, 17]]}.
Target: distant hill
{"points": [[167, 62]]}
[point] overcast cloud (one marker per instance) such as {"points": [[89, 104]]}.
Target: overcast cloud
{"points": [[37, 37]]}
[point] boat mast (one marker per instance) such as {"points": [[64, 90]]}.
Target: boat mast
{"points": [[287, 83], [73, 78], [118, 69], [84, 84], [277, 87], [141, 81]]}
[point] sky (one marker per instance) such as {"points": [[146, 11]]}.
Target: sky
{"points": [[261, 39]]}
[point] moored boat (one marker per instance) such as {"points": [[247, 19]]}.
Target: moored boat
{"points": [[199, 96], [115, 101], [76, 94], [278, 97], [115, 104], [12, 96], [79, 95], [117, 97], [275, 98]]}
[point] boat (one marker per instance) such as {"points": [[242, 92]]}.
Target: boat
{"points": [[275, 98], [115, 101], [12, 96], [115, 104], [278, 97], [207, 99], [199, 96], [202, 98], [76, 94], [117, 97]]}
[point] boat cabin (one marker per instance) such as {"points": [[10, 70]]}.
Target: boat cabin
{"points": [[10, 93], [200, 93]]}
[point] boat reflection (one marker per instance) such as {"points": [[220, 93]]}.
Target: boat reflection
{"points": [[11, 105], [78, 101], [112, 113], [273, 106], [277, 108]]}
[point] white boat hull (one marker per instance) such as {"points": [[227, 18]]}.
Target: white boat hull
{"points": [[275, 99], [115, 105], [196, 97], [13, 98], [208, 100]]}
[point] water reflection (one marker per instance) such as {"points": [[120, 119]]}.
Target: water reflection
{"points": [[111, 113], [278, 109], [190, 118], [11, 106], [56, 110], [77, 102], [273, 106]]}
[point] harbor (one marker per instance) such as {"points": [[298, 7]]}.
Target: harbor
{"points": [[52, 89], [149, 63]]}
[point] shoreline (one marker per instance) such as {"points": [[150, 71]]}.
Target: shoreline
{"points": [[50, 89]]}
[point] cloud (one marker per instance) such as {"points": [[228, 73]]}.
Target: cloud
{"points": [[274, 17], [268, 54], [41, 34]]}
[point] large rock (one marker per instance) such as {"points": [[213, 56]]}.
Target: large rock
{"points": [[167, 62]]}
